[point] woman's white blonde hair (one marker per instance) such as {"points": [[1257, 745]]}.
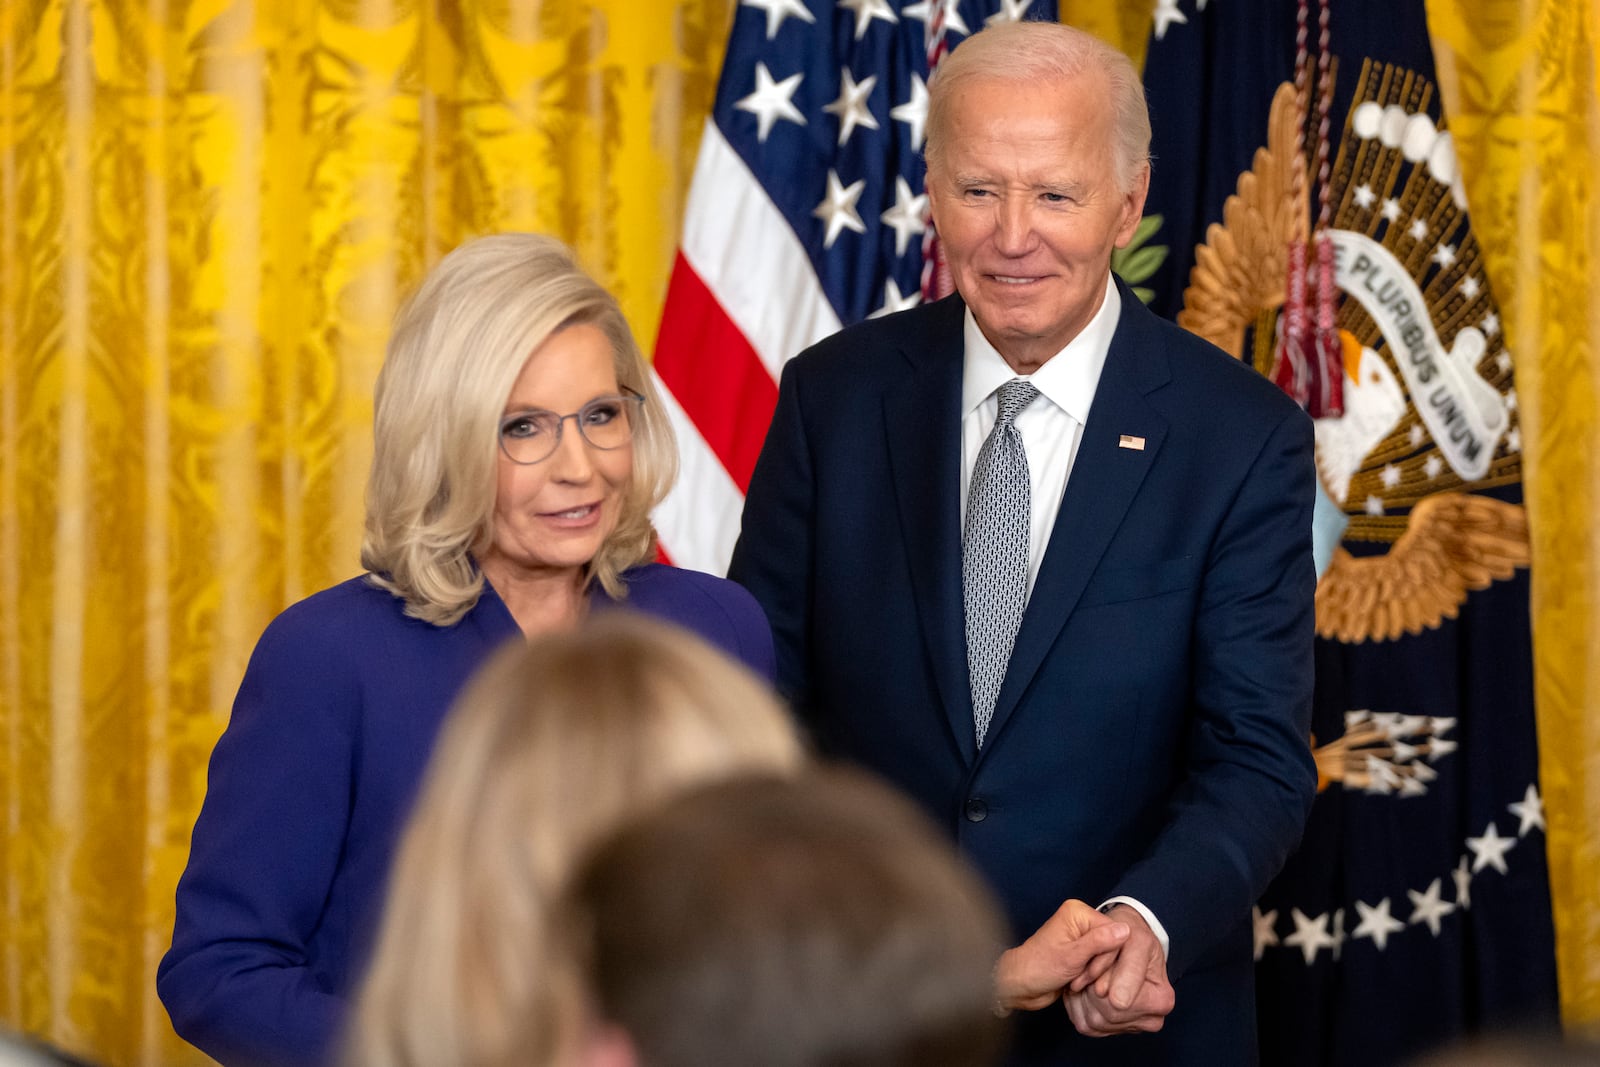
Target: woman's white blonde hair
{"points": [[456, 351], [550, 747]]}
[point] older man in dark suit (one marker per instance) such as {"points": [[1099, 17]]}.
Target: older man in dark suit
{"points": [[1044, 561]]}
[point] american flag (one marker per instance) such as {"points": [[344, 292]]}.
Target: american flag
{"points": [[806, 213]]}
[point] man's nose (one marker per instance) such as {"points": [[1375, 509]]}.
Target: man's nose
{"points": [[1014, 226]]}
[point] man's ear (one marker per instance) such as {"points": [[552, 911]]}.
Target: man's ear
{"points": [[935, 203], [607, 1045], [1133, 206]]}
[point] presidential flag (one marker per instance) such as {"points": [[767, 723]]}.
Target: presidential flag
{"points": [[806, 213], [1308, 214]]}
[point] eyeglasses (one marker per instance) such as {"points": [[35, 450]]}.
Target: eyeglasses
{"points": [[606, 422]]}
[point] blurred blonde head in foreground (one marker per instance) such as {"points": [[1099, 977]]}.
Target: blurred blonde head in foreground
{"points": [[549, 748]]}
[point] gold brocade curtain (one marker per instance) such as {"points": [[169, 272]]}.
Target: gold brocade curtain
{"points": [[208, 213], [1520, 91]]}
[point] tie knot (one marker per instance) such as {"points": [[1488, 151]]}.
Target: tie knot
{"points": [[1014, 396]]}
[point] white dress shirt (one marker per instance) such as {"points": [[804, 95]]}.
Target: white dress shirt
{"points": [[1051, 428]]}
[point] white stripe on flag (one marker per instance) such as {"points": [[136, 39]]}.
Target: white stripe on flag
{"points": [[745, 252], [699, 520]]}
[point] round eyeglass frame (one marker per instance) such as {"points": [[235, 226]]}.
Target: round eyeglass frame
{"points": [[627, 394]]}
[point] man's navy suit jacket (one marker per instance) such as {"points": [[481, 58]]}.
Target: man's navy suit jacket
{"points": [[1150, 738]]}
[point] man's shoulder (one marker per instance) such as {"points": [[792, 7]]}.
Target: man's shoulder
{"points": [[1210, 381], [882, 342]]}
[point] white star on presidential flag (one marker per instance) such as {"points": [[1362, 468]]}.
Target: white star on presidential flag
{"points": [[1364, 196], [893, 301], [1429, 907], [866, 11], [1391, 209], [1166, 14], [1376, 923], [1266, 935], [953, 22], [1514, 444], [1530, 809], [1417, 435], [1470, 287], [1444, 255], [1374, 505], [1433, 466], [1463, 879], [1418, 230], [1010, 11], [778, 10], [906, 215], [838, 208], [914, 112], [1491, 324], [1390, 476], [851, 107], [1490, 850], [772, 101], [1503, 361], [1310, 935]]}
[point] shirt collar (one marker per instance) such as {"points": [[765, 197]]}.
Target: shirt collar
{"points": [[1067, 379]]}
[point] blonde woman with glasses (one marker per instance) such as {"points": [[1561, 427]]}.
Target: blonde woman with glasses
{"points": [[519, 448]]}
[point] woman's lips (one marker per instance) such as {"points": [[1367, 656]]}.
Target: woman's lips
{"points": [[578, 515]]}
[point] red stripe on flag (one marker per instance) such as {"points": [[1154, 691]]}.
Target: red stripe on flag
{"points": [[714, 374]]}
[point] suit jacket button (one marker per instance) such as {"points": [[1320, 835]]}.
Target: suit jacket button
{"points": [[976, 810]]}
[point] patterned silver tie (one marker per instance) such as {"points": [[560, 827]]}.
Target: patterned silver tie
{"points": [[994, 553]]}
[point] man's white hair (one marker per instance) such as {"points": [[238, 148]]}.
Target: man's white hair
{"points": [[1025, 53]]}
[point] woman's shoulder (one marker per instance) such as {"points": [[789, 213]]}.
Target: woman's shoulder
{"points": [[356, 602], [650, 583], [717, 609], [341, 622]]}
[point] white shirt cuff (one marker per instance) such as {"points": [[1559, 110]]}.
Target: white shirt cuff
{"points": [[1145, 913]]}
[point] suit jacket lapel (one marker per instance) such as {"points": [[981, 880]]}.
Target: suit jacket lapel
{"points": [[1105, 477], [922, 420]]}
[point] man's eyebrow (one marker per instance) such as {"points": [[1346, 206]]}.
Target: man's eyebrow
{"points": [[1065, 188], [1068, 187]]}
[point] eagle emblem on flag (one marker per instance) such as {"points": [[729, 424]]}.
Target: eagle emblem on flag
{"points": [[1429, 426]]}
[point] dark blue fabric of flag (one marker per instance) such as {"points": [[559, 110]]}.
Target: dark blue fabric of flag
{"points": [[794, 161], [1409, 917], [1210, 82]]}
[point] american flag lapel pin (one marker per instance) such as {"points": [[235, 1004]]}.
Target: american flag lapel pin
{"points": [[1127, 440]]}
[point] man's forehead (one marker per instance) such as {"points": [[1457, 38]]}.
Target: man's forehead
{"points": [[1088, 86], [985, 132]]}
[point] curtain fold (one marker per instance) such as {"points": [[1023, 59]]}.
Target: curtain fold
{"points": [[1524, 105], [209, 212]]}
